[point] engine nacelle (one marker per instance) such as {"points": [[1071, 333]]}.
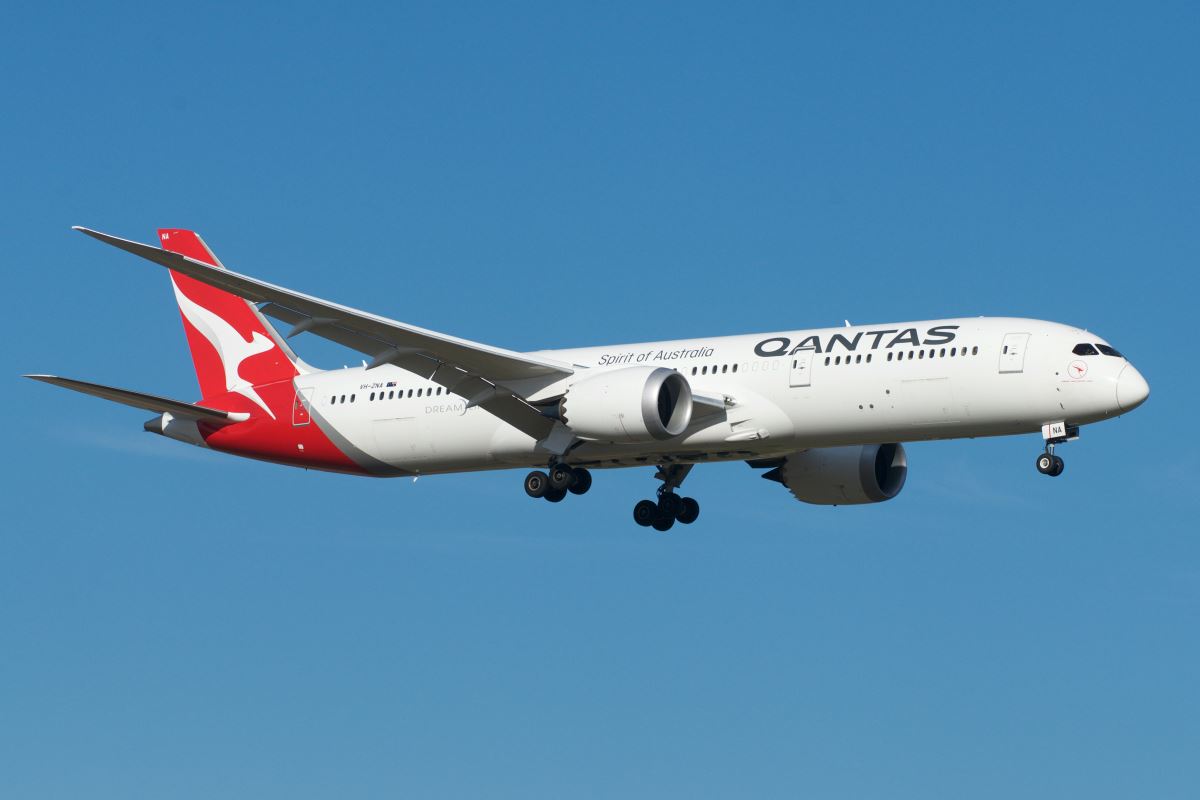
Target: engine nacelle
{"points": [[836, 476], [632, 404]]}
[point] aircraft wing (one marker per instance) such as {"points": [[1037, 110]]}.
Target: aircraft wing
{"points": [[478, 372], [149, 402]]}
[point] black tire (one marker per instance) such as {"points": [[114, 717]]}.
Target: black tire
{"points": [[555, 495], [582, 481], [645, 512], [1045, 463], [1057, 469], [561, 477], [669, 504], [663, 523], [689, 511], [537, 483]]}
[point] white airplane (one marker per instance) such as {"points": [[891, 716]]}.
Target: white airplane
{"points": [[823, 411]]}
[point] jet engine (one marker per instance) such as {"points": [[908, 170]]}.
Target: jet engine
{"points": [[835, 476], [631, 404]]}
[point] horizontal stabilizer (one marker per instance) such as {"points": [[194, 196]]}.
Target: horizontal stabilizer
{"points": [[149, 402]]}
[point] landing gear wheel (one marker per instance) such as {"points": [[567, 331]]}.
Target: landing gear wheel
{"points": [[669, 505], [1045, 463], [1058, 467], [689, 511], [555, 495], [582, 481], [663, 523], [536, 483], [645, 512], [561, 477]]}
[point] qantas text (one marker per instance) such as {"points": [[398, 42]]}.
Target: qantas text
{"points": [[871, 340]]}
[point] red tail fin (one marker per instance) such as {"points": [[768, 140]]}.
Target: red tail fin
{"points": [[233, 347]]}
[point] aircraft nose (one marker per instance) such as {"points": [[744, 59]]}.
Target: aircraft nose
{"points": [[1132, 389]]}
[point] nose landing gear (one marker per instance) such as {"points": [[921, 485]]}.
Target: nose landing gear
{"points": [[1055, 433], [670, 507]]}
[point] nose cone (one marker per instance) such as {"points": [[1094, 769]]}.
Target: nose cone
{"points": [[1132, 389]]}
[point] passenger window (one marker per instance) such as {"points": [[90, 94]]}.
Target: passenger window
{"points": [[1108, 351], [953, 351], [333, 400], [735, 367], [419, 392], [693, 370], [920, 354], [975, 350], [868, 358], [889, 356], [351, 398], [372, 395], [827, 361], [343, 398], [943, 353]]}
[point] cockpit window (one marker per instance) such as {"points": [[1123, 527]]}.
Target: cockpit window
{"points": [[1084, 349], [1108, 351]]}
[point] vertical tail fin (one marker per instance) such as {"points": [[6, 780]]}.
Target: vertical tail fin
{"points": [[234, 348]]}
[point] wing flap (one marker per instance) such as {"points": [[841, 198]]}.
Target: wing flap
{"points": [[149, 402]]}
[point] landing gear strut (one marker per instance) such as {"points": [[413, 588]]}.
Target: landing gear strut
{"points": [[1055, 433], [670, 507], [560, 480]]}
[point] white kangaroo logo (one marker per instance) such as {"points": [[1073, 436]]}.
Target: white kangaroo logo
{"points": [[230, 345]]}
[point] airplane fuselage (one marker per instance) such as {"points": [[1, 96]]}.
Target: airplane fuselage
{"points": [[779, 393]]}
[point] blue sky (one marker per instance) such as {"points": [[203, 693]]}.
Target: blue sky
{"points": [[177, 623]]}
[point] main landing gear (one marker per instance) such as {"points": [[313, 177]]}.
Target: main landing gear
{"points": [[1055, 433], [670, 507], [560, 480]]}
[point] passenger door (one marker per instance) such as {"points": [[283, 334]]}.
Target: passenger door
{"points": [[801, 369], [301, 407], [1012, 352]]}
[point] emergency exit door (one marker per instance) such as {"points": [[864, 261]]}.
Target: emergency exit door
{"points": [[801, 370], [1012, 352]]}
